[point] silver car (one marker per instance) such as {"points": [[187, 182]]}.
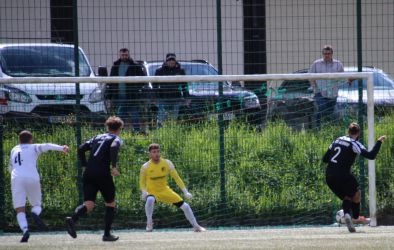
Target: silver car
{"points": [[347, 102]]}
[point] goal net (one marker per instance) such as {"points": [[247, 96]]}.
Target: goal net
{"points": [[248, 147]]}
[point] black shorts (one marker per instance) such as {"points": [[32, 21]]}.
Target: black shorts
{"points": [[93, 184], [342, 185]]}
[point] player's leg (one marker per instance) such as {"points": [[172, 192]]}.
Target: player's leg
{"points": [[90, 190], [352, 199], [190, 216], [355, 194], [169, 196], [35, 198], [149, 206], [107, 189], [337, 184], [19, 202]]}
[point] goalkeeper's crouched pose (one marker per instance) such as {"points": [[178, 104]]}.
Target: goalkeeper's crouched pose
{"points": [[154, 187]]}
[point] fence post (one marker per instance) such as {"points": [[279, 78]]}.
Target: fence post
{"points": [[2, 182], [360, 102], [78, 99], [220, 117]]}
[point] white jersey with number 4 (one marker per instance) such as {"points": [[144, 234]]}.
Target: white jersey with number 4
{"points": [[23, 159]]}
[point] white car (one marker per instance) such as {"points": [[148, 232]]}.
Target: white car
{"points": [[49, 100], [347, 102]]}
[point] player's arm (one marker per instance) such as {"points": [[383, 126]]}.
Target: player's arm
{"points": [[81, 152], [143, 187], [45, 147], [114, 151], [174, 174], [371, 155]]}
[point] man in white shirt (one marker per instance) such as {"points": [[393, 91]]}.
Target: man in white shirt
{"points": [[326, 91], [25, 180]]}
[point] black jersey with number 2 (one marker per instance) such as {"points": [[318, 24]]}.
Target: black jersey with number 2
{"points": [[342, 153], [104, 150]]}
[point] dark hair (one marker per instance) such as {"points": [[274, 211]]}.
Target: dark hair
{"points": [[114, 123], [124, 50], [328, 47], [153, 146], [25, 136], [354, 129]]}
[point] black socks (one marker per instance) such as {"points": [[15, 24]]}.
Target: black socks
{"points": [[347, 206], [80, 210], [356, 210], [109, 217]]}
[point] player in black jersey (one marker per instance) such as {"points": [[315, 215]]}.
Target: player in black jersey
{"points": [[340, 157], [100, 169]]}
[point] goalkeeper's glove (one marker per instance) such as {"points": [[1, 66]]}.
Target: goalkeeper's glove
{"points": [[187, 194], [144, 194]]}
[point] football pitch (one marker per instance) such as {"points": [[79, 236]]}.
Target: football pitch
{"points": [[262, 238]]}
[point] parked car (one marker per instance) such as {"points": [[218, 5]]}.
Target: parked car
{"points": [[203, 101], [347, 102], [293, 99], [48, 100]]}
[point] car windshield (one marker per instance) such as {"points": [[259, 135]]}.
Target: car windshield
{"points": [[380, 80], [22, 61], [195, 69]]}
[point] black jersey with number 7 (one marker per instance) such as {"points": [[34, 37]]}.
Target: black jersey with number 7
{"points": [[104, 150]]}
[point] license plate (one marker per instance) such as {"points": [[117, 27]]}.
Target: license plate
{"points": [[226, 116], [61, 119]]}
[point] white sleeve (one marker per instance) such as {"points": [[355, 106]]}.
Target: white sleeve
{"points": [[357, 147], [172, 167], [42, 148]]}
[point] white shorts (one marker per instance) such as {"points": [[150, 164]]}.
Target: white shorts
{"points": [[24, 187]]}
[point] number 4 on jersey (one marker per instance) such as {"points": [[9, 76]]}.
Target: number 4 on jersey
{"points": [[18, 159]]}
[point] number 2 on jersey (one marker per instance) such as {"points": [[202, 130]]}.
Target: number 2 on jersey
{"points": [[336, 155], [18, 159]]}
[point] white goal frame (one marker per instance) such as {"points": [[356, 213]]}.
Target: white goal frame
{"points": [[257, 77]]}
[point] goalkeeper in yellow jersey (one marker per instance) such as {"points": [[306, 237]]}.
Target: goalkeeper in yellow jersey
{"points": [[154, 187]]}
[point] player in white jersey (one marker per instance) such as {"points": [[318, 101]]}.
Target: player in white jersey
{"points": [[25, 180]]}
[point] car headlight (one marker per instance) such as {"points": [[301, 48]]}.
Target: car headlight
{"points": [[251, 102], [97, 95], [17, 95]]}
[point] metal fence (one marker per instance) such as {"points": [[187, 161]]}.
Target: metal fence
{"points": [[208, 37]]}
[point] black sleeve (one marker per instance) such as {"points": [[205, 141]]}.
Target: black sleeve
{"points": [[371, 155], [326, 157], [110, 89], [113, 72], [81, 153], [185, 88], [156, 85], [114, 150]]}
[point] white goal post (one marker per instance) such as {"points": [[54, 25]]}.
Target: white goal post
{"points": [[257, 77]]}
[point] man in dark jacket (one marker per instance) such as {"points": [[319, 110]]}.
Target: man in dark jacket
{"points": [[170, 95], [125, 98]]}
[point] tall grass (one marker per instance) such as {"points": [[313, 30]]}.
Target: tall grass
{"points": [[274, 176]]}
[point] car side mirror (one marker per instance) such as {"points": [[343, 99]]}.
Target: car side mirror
{"points": [[102, 71], [237, 84]]}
